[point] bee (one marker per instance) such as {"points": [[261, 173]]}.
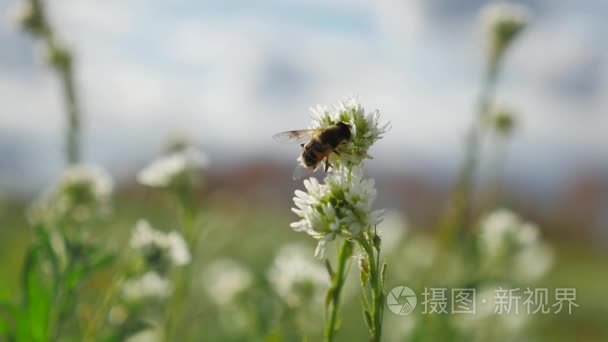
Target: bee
{"points": [[321, 143]]}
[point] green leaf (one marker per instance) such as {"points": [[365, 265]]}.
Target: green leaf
{"points": [[8, 313], [383, 273], [102, 261], [330, 271], [368, 319], [46, 244], [329, 296], [36, 297], [364, 270]]}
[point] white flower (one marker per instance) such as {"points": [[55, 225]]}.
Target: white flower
{"points": [[508, 244], [150, 285], [486, 323], [81, 192], [151, 241], [178, 249], [85, 183], [118, 315], [366, 129], [496, 229], [225, 279], [503, 22], [342, 205], [297, 278], [147, 335], [180, 167], [532, 263]]}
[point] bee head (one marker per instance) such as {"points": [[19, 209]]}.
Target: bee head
{"points": [[345, 129]]}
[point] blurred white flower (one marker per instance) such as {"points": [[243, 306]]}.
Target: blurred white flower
{"points": [[118, 315], [148, 335], [531, 264], [177, 168], [81, 192], [513, 247], [178, 249], [297, 277], [27, 17], [392, 229], [225, 279], [488, 324], [503, 22], [366, 129], [86, 181], [152, 242], [150, 285], [342, 205], [495, 231]]}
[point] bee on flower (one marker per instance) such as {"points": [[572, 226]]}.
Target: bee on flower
{"points": [[342, 205], [340, 136]]}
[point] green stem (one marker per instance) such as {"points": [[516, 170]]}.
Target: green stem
{"points": [[188, 222], [338, 279], [96, 321], [61, 61], [73, 116], [462, 200], [376, 283]]}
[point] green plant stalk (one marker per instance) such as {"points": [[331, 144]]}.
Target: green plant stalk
{"points": [[73, 129], [335, 290], [376, 283], [188, 219], [96, 321], [60, 295], [65, 71], [459, 217]]}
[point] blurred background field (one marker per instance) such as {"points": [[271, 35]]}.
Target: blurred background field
{"points": [[230, 74]]}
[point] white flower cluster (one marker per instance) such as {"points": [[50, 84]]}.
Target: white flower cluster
{"points": [[86, 181], [486, 324], [509, 245], [503, 22], [297, 278], [225, 279], [341, 205], [366, 129], [176, 169], [160, 245], [149, 285], [81, 192]]}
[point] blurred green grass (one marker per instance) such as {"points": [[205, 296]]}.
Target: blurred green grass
{"points": [[253, 232]]}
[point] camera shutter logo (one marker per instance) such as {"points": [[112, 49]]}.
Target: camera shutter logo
{"points": [[401, 300]]}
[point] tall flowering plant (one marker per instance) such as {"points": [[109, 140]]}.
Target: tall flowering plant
{"points": [[340, 208]]}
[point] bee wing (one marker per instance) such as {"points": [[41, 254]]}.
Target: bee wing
{"points": [[295, 136]]}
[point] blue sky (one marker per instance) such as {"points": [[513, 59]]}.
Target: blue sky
{"points": [[232, 73]]}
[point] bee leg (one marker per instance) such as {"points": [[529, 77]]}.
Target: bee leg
{"points": [[337, 153], [327, 164], [301, 145]]}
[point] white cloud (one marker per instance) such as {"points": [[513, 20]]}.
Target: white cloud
{"points": [[146, 73]]}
